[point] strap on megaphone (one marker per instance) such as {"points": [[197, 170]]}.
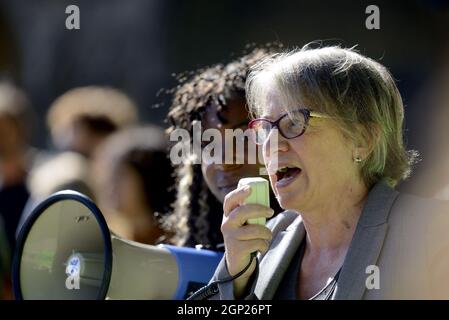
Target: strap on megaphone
{"points": [[211, 289]]}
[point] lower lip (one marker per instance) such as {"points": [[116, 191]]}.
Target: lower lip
{"points": [[287, 181]]}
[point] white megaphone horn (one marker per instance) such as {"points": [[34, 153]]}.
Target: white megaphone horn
{"points": [[66, 251]]}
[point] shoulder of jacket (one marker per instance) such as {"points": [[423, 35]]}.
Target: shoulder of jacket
{"points": [[281, 221]]}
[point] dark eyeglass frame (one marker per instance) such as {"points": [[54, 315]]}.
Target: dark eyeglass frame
{"points": [[275, 124]]}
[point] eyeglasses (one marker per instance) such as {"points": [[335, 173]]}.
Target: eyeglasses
{"points": [[289, 128]]}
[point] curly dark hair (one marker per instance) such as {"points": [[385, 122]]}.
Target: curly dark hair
{"points": [[193, 220]]}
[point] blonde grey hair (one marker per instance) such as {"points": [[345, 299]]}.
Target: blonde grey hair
{"points": [[355, 91]]}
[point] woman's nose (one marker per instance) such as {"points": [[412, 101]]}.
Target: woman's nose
{"points": [[275, 143]]}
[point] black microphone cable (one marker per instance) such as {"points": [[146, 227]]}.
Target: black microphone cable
{"points": [[211, 289]]}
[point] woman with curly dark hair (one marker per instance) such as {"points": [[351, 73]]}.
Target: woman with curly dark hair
{"points": [[215, 97]]}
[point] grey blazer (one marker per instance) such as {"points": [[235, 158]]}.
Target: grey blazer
{"points": [[405, 237]]}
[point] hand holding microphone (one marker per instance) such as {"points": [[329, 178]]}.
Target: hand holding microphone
{"points": [[244, 231]]}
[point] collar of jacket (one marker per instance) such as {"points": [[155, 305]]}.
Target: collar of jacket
{"points": [[363, 251]]}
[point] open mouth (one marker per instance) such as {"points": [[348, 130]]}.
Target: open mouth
{"points": [[285, 175]]}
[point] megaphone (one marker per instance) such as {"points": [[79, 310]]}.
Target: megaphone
{"points": [[66, 251]]}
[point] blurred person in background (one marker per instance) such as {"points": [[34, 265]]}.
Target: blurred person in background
{"points": [[79, 121], [133, 181], [52, 173], [16, 159], [215, 97], [431, 179], [16, 156], [82, 118], [438, 96]]}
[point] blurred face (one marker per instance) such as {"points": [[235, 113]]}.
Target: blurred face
{"points": [[312, 170], [223, 178], [81, 138]]}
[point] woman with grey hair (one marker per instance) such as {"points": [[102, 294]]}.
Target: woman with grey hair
{"points": [[346, 233]]}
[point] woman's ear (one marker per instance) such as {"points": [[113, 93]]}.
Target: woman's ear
{"points": [[368, 138]]}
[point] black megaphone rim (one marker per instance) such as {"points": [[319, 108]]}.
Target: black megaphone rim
{"points": [[35, 214]]}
